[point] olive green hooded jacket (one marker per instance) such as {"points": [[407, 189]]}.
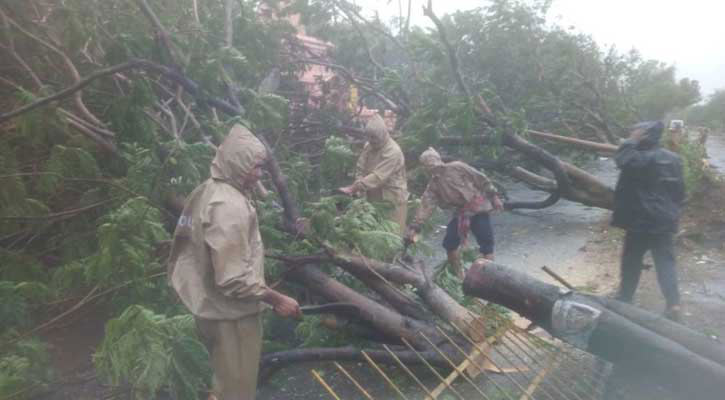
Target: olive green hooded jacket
{"points": [[381, 170], [454, 185], [217, 258]]}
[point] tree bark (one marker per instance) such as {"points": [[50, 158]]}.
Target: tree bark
{"points": [[437, 299], [604, 148], [613, 336], [386, 320]]}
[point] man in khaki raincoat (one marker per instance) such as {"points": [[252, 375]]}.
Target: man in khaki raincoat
{"points": [[217, 266], [380, 171], [462, 188]]}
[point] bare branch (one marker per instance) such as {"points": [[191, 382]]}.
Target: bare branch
{"points": [[452, 58], [188, 85], [108, 145], [161, 31], [229, 23], [59, 214], [101, 131], [359, 31], [16, 56], [174, 129], [357, 81], [196, 12], [71, 90]]}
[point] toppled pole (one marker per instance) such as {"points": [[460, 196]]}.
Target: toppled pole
{"points": [[671, 356]]}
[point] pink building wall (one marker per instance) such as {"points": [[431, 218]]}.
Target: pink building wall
{"points": [[315, 76]]}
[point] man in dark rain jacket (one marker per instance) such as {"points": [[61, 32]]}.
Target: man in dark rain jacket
{"points": [[647, 203]]}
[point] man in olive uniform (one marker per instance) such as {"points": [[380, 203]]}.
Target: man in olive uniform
{"points": [[380, 173], [217, 266], [470, 194], [648, 200]]}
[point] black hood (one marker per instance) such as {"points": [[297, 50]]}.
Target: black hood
{"points": [[652, 133]]}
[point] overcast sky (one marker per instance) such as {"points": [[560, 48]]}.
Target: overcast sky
{"points": [[687, 33]]}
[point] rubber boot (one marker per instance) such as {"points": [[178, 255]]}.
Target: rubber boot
{"points": [[454, 263]]}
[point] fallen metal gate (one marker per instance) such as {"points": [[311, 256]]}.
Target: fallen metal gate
{"points": [[512, 363]]}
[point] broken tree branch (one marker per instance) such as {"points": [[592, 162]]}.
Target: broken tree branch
{"points": [[161, 31], [509, 138], [385, 320], [604, 148], [359, 82], [66, 60], [190, 86], [79, 85]]}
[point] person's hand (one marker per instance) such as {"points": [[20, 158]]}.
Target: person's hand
{"points": [[411, 235], [348, 190], [497, 203], [302, 225], [287, 307]]}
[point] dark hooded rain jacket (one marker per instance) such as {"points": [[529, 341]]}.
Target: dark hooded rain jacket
{"points": [[650, 190]]}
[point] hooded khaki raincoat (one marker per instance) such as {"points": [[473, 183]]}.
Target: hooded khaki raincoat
{"points": [[381, 170], [455, 185], [216, 266]]}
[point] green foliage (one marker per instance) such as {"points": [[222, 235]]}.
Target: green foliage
{"points": [[24, 369], [338, 162], [693, 154], [20, 266], [67, 162], [126, 240], [711, 114], [530, 73], [16, 299], [355, 225], [13, 186], [312, 334], [268, 112], [655, 91], [128, 118], [144, 169], [188, 166], [154, 353]]}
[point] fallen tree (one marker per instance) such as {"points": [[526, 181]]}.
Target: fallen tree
{"points": [[155, 87], [584, 187], [678, 357]]}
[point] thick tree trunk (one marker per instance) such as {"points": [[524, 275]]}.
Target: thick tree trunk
{"points": [[437, 299], [548, 161], [385, 320], [586, 188], [581, 186], [603, 332]]}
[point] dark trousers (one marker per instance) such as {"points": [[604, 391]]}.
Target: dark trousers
{"points": [[480, 228], [636, 244]]}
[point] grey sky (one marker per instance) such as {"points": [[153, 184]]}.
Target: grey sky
{"points": [[688, 34]]}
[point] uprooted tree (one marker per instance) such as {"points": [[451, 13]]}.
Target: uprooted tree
{"points": [[110, 115]]}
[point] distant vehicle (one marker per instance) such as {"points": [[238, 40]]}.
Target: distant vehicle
{"points": [[677, 125]]}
